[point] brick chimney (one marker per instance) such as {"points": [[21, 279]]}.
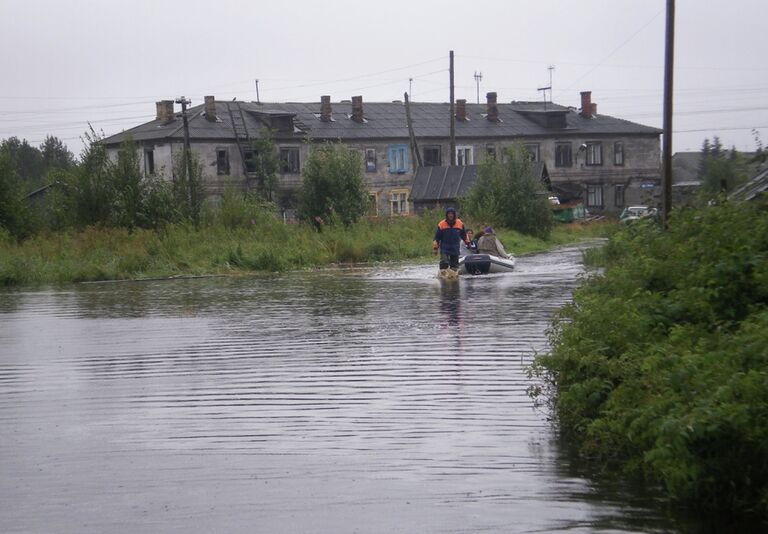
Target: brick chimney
{"points": [[325, 108], [461, 109], [357, 109], [586, 104], [164, 110], [210, 108], [493, 108], [594, 109]]}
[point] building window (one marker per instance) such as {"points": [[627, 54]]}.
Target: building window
{"points": [[594, 154], [618, 196], [618, 153], [398, 158], [433, 156], [370, 160], [398, 201], [465, 155], [289, 160], [222, 161], [533, 151], [149, 161], [373, 204], [595, 196], [490, 151], [563, 155], [249, 158]]}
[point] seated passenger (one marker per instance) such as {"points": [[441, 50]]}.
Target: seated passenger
{"points": [[468, 248], [490, 244]]}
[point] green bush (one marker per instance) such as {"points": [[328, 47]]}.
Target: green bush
{"points": [[508, 194], [662, 362], [332, 185]]}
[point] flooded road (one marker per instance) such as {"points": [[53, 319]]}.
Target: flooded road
{"points": [[356, 400]]}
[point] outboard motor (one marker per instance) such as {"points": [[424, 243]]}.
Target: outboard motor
{"points": [[477, 263]]}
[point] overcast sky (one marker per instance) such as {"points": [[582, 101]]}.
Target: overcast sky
{"points": [[68, 62]]}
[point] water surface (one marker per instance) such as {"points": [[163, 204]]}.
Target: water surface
{"points": [[351, 400]]}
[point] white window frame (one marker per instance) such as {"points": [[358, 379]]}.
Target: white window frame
{"points": [[465, 153], [594, 154], [533, 150], [398, 202], [595, 194]]}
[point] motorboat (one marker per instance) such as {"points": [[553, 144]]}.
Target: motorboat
{"points": [[485, 264]]}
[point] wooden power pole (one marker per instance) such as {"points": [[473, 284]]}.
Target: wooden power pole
{"points": [[666, 150], [453, 112], [187, 151], [412, 135]]}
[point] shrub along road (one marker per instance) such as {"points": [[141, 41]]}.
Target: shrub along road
{"points": [[661, 364]]}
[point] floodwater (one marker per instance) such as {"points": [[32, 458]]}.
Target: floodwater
{"points": [[344, 400]]}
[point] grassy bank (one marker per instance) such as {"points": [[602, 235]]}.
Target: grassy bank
{"points": [[225, 247], [661, 364]]}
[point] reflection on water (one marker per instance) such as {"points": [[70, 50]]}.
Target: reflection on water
{"points": [[350, 400]]}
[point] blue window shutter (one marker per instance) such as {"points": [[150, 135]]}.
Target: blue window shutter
{"points": [[398, 158]]}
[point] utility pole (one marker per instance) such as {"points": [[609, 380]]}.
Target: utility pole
{"points": [[187, 150], [478, 79], [258, 100], [412, 135], [453, 111], [666, 150], [410, 86]]}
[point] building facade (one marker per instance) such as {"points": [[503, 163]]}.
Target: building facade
{"points": [[605, 162]]}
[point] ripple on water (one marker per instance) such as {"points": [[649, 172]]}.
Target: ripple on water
{"points": [[347, 400]]}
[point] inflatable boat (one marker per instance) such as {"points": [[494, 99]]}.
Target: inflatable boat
{"points": [[485, 264]]}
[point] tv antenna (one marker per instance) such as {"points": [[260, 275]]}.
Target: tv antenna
{"points": [[478, 79], [548, 87]]}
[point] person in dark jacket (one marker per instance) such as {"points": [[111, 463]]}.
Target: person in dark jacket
{"points": [[448, 238]]}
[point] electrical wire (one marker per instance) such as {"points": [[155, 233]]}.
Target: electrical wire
{"points": [[627, 40]]}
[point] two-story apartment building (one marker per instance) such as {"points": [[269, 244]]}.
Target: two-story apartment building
{"points": [[608, 162]]}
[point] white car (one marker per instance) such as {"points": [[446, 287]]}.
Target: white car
{"points": [[633, 213]]}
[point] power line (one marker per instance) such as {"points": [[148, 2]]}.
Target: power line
{"points": [[627, 40], [720, 129], [301, 86]]}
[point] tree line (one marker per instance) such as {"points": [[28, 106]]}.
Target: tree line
{"points": [[722, 170], [96, 190]]}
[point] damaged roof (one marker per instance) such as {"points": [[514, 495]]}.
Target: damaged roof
{"points": [[451, 182], [755, 188], [383, 120]]}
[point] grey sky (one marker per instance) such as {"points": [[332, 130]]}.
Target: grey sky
{"points": [[65, 63]]}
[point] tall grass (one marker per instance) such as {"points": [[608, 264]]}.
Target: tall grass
{"points": [[239, 237]]}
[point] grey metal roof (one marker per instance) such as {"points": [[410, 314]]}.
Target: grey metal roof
{"points": [[385, 120], [442, 183], [450, 183], [754, 188]]}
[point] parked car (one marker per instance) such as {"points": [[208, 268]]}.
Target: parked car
{"points": [[633, 213]]}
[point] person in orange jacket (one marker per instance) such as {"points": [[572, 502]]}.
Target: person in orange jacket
{"points": [[448, 237]]}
